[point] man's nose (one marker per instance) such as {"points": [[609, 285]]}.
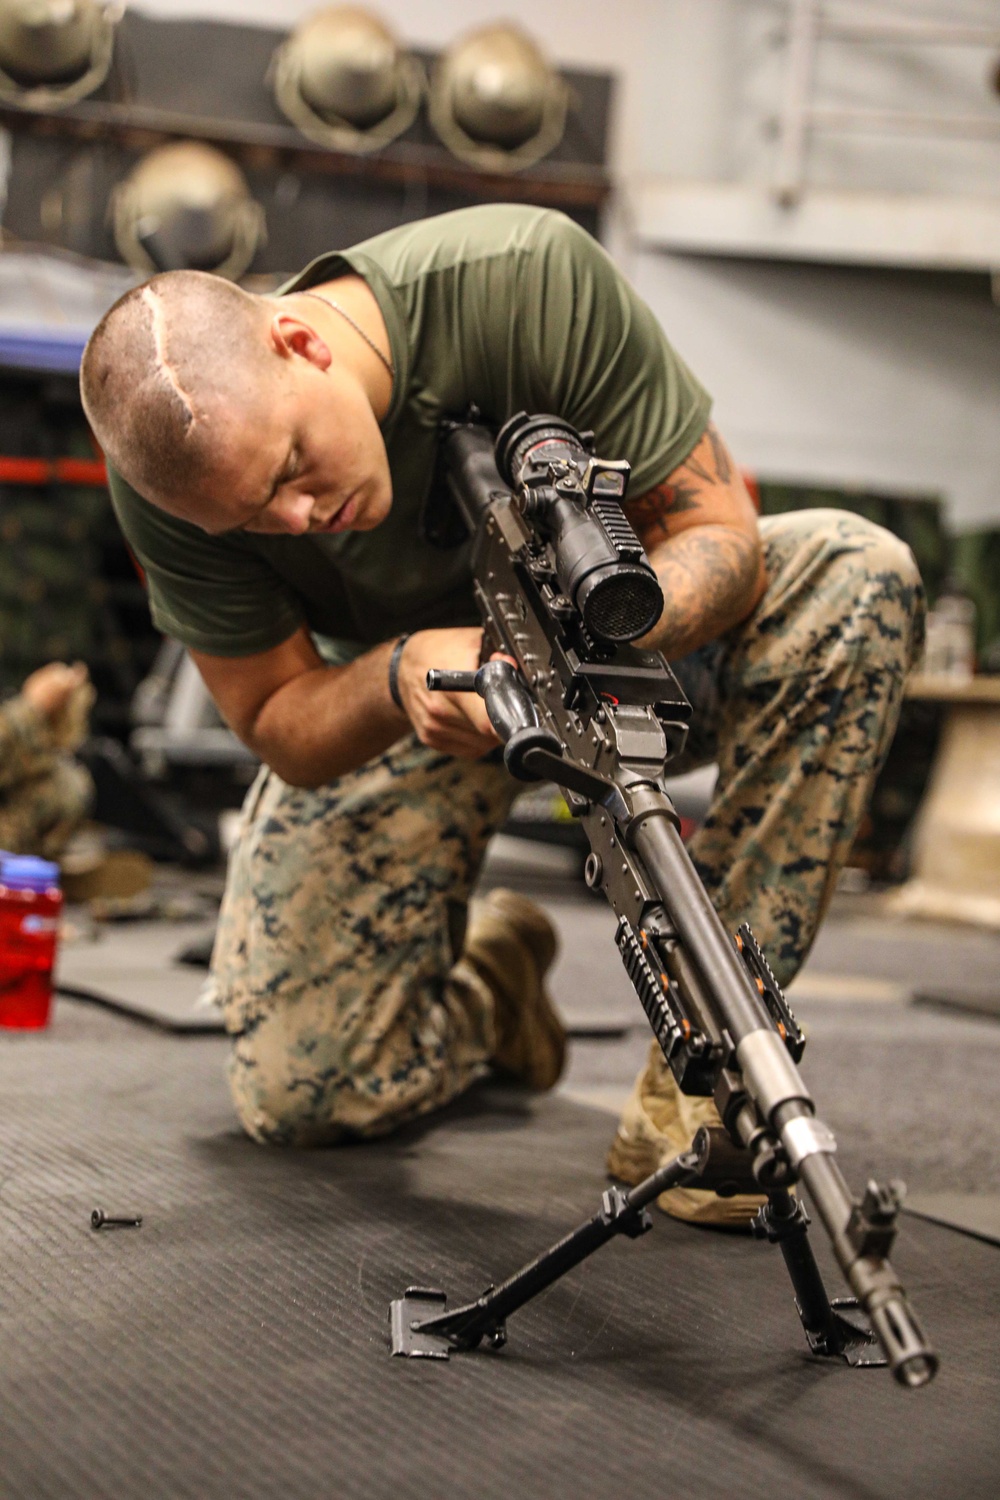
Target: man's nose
{"points": [[294, 512]]}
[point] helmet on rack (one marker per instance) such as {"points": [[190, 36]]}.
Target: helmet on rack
{"points": [[54, 52], [186, 206], [343, 79], [496, 102]]}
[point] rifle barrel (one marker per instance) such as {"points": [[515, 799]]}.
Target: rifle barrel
{"points": [[659, 846], [871, 1278]]}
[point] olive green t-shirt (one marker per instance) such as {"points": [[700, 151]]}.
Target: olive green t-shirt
{"points": [[508, 307]]}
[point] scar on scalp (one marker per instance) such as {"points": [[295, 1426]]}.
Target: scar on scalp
{"points": [[164, 368]]}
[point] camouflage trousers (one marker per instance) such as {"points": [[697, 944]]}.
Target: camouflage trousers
{"points": [[44, 793], [338, 958]]}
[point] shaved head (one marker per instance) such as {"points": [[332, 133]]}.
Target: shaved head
{"points": [[170, 372], [236, 412]]}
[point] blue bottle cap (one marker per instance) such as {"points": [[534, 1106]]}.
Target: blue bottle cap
{"points": [[23, 872]]}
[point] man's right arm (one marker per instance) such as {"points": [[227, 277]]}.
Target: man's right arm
{"points": [[311, 722]]}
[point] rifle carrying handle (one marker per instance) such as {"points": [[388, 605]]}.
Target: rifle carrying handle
{"points": [[510, 707]]}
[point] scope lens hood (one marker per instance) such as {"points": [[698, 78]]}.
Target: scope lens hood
{"points": [[619, 602]]}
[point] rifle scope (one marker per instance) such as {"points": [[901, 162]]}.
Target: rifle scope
{"points": [[576, 501]]}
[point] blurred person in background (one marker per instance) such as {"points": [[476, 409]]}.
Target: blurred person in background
{"points": [[44, 793]]}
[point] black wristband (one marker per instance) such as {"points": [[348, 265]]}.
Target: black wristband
{"points": [[394, 660]]}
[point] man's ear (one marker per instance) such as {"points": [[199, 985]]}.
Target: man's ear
{"points": [[289, 335]]}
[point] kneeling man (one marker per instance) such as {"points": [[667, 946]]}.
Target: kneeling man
{"points": [[274, 470]]}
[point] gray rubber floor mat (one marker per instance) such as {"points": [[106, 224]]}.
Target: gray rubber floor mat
{"points": [[976, 1002], [132, 968], [971, 1213], [236, 1344]]}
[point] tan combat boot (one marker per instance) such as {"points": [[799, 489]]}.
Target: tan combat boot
{"points": [[657, 1123], [511, 945]]}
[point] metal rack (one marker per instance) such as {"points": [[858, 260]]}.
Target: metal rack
{"points": [[800, 115]]}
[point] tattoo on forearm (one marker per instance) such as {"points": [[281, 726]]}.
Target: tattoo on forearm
{"points": [[708, 576], [709, 565]]}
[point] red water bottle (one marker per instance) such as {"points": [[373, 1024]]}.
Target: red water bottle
{"points": [[30, 909]]}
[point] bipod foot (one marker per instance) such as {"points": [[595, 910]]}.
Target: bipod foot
{"points": [[848, 1336], [837, 1328], [421, 1327], [416, 1306]]}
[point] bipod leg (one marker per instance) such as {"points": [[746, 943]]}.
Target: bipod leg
{"points": [[421, 1326], [837, 1328]]}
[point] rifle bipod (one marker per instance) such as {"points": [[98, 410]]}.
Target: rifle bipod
{"points": [[422, 1327]]}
